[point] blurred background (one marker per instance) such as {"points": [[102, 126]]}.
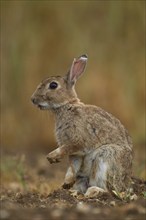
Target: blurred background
{"points": [[41, 38]]}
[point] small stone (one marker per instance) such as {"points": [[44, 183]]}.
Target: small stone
{"points": [[42, 206], [112, 203], [134, 197], [131, 190], [18, 195]]}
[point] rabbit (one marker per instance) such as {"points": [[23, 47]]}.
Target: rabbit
{"points": [[98, 146]]}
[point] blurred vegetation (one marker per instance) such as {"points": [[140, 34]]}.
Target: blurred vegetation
{"points": [[21, 174], [40, 39]]}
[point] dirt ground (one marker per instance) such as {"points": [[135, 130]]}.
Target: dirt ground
{"points": [[31, 189]]}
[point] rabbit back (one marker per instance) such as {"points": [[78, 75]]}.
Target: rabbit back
{"points": [[89, 127]]}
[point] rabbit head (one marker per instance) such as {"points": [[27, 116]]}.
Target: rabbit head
{"points": [[57, 91]]}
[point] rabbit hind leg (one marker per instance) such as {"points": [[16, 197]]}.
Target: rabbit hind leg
{"points": [[81, 183], [82, 176], [111, 167], [98, 176]]}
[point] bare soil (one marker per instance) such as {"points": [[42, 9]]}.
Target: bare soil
{"points": [[34, 192]]}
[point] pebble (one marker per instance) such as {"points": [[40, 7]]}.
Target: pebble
{"points": [[42, 206], [134, 197], [112, 203]]}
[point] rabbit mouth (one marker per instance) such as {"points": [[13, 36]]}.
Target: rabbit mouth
{"points": [[43, 106]]}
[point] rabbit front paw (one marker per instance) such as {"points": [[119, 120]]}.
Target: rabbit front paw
{"points": [[52, 158]]}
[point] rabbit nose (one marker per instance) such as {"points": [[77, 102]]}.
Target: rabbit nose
{"points": [[34, 100]]}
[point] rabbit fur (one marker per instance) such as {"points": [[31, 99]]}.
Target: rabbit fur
{"points": [[97, 144]]}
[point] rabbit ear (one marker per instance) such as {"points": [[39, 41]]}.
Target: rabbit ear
{"points": [[77, 68]]}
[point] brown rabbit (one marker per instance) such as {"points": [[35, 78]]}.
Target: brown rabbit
{"points": [[98, 145]]}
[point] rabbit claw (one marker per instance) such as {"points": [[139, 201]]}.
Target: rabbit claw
{"points": [[53, 160]]}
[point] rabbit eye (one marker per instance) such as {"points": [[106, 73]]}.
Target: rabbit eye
{"points": [[53, 85]]}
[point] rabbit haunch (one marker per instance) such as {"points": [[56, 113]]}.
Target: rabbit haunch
{"points": [[97, 144]]}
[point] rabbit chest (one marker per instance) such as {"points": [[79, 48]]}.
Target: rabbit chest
{"points": [[69, 133], [70, 128]]}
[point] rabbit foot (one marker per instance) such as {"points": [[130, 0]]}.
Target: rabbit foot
{"points": [[93, 191]]}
